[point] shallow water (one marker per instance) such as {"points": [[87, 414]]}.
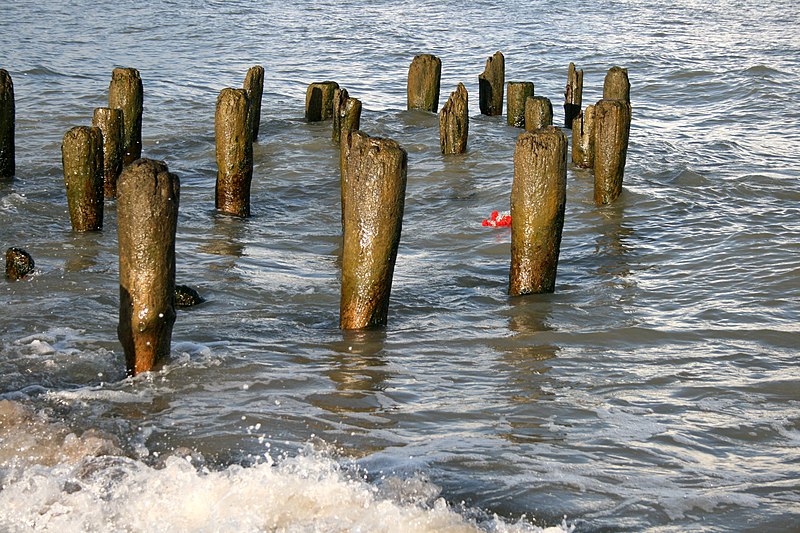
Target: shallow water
{"points": [[656, 389]]}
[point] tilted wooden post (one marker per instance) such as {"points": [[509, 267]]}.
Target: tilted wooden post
{"points": [[517, 94], [374, 201], [147, 214], [583, 138], [538, 199], [538, 113], [573, 95], [234, 153], [612, 123], [491, 84], [7, 120], [126, 92], [454, 122], [110, 123], [319, 100], [346, 114], [424, 81], [82, 160], [19, 264], [254, 85], [616, 85]]}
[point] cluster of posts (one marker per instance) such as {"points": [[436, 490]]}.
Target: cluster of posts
{"points": [[103, 162]]}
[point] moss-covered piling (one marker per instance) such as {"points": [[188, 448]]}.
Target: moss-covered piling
{"points": [[375, 186], [538, 199], [147, 214], [126, 92]]}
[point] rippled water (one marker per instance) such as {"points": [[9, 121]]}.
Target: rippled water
{"points": [[656, 389]]}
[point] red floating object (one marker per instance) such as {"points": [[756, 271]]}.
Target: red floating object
{"points": [[497, 221]]}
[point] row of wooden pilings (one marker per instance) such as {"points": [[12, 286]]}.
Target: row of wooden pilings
{"points": [[104, 161]]}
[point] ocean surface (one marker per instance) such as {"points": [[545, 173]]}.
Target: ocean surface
{"points": [[657, 389]]}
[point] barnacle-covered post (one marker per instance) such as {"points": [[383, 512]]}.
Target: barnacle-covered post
{"points": [[319, 100], [346, 114], [491, 84], [147, 214], [573, 95], [538, 113], [517, 94], [110, 123], [538, 199], [254, 85], [375, 188], [126, 92], [82, 160], [583, 138], [234, 148], [424, 81], [612, 123], [454, 122]]}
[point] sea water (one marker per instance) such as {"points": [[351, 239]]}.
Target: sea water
{"points": [[656, 390]]}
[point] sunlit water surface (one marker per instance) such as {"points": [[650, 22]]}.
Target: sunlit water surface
{"points": [[656, 389]]}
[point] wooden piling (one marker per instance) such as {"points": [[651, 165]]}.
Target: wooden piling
{"points": [[346, 114], [538, 198], [616, 85], [319, 100], [19, 264], [254, 85], [126, 93], [517, 94], [82, 161], [375, 188], [573, 95], [7, 123], [234, 147], [147, 214], [454, 122], [424, 80], [538, 113], [110, 123], [491, 83], [583, 138], [612, 122]]}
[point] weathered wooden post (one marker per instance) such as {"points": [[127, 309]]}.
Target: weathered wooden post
{"points": [[234, 153], [573, 95], [82, 160], [583, 138], [616, 84], [346, 114], [454, 122], [491, 84], [424, 80], [612, 123], [517, 94], [147, 214], [7, 119], [254, 85], [538, 113], [538, 198], [19, 264], [126, 93], [319, 100], [110, 123], [375, 188]]}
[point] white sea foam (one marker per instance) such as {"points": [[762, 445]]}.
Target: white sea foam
{"points": [[54, 480]]}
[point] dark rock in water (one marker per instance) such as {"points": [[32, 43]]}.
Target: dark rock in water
{"points": [[19, 264], [186, 296]]}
